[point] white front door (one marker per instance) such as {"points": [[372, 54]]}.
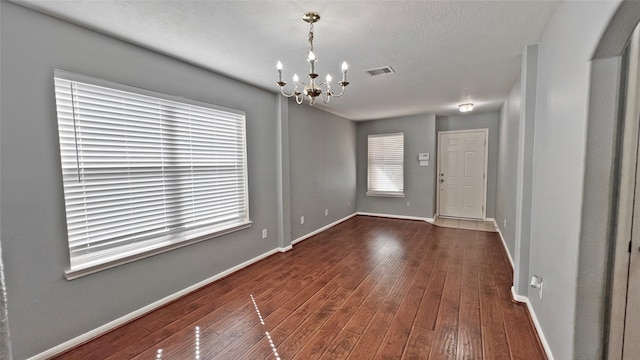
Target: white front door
{"points": [[462, 159]]}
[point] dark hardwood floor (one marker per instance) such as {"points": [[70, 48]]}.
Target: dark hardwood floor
{"points": [[368, 288]]}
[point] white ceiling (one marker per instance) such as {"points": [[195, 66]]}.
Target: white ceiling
{"points": [[444, 52]]}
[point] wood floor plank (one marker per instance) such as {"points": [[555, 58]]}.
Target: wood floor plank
{"points": [[428, 311], [321, 340], [263, 349], [290, 346], [366, 288], [373, 336], [253, 336], [445, 342], [494, 339], [395, 263], [393, 345], [419, 344], [341, 347], [329, 273], [470, 329]]}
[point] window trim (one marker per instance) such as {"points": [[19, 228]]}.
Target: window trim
{"points": [[166, 242], [395, 194], [83, 271]]}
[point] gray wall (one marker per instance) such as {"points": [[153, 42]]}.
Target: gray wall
{"points": [[419, 182], [505, 214], [562, 101], [322, 154], [489, 121], [32, 208]]}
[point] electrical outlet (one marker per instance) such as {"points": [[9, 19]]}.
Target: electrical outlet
{"points": [[301, 219], [326, 212], [264, 233], [505, 223], [408, 203]]}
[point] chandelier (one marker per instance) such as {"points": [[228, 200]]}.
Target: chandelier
{"points": [[312, 90]]}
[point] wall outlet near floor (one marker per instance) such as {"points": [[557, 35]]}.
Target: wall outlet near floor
{"points": [[408, 203], [536, 283], [505, 223], [326, 212], [301, 219], [264, 233]]}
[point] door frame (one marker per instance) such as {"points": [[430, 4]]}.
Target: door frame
{"points": [[485, 170], [625, 240]]}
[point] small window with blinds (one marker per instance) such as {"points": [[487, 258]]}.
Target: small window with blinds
{"points": [[144, 172], [385, 167]]}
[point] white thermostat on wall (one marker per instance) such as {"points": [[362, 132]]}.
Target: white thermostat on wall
{"points": [[423, 157]]}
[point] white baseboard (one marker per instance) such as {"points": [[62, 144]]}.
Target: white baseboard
{"points": [[504, 243], [518, 298], [536, 323], [153, 306], [404, 217], [315, 232]]}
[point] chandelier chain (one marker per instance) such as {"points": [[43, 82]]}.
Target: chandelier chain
{"points": [[311, 37]]}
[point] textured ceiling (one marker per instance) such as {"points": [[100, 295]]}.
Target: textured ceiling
{"points": [[444, 52]]}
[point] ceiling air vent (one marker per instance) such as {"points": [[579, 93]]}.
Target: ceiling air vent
{"points": [[380, 71]]}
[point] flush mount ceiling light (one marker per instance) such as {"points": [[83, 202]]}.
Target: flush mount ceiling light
{"points": [[312, 90], [465, 107]]}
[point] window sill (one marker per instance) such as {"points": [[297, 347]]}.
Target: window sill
{"points": [[385, 194], [165, 244]]}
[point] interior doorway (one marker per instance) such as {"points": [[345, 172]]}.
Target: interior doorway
{"points": [[462, 173]]}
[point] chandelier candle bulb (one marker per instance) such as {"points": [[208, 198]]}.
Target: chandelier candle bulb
{"points": [[345, 67], [295, 79], [279, 68]]}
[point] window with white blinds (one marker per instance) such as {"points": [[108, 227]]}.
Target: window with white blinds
{"points": [[144, 173], [385, 170]]}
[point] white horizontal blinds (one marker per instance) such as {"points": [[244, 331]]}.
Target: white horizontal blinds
{"points": [[139, 171], [386, 164]]}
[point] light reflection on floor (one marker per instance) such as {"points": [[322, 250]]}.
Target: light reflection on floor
{"points": [[197, 342], [266, 332], [196, 346], [391, 247]]}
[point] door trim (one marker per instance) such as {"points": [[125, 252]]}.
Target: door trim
{"points": [[626, 201], [486, 166]]}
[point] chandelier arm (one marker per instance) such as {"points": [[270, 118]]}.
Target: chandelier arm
{"points": [[341, 92], [326, 96], [284, 93]]}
